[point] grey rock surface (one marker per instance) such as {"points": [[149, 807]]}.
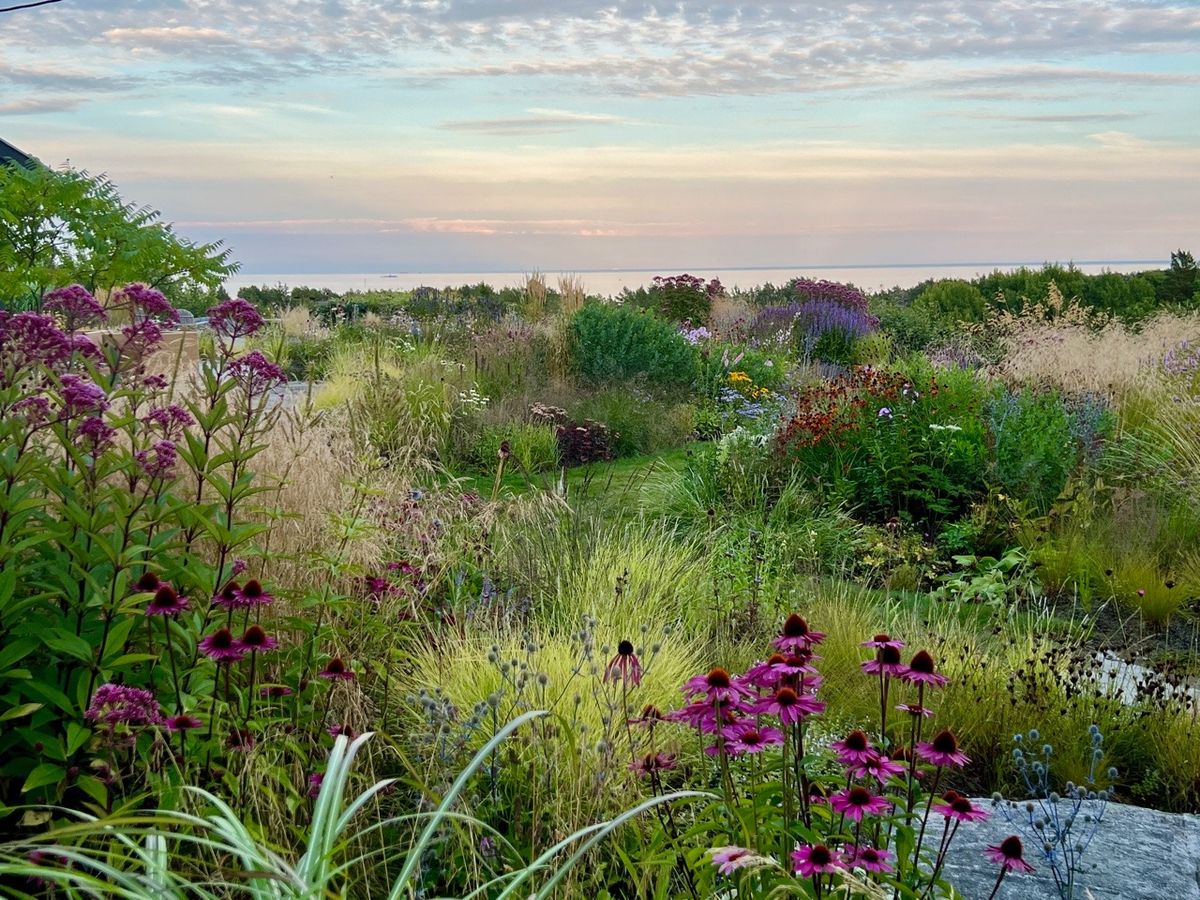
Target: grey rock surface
{"points": [[1137, 854]]}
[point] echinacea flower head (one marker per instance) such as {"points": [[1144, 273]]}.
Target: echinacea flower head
{"points": [[336, 670], [796, 635], [228, 595], [652, 762], [256, 640], [730, 859], [650, 716], [709, 716], [765, 674], [815, 859], [181, 723], [943, 750], [718, 684], [147, 582], [869, 859], [886, 661], [166, 602], [954, 805], [877, 766], [914, 709], [274, 691], [790, 706], [741, 740], [921, 670], [1010, 854], [857, 801], [854, 749], [222, 646], [625, 666], [240, 740], [340, 730], [879, 641], [253, 595]]}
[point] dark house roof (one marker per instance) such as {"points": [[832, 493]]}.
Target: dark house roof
{"points": [[10, 154]]}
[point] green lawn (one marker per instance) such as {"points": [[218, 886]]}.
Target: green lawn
{"points": [[617, 488]]}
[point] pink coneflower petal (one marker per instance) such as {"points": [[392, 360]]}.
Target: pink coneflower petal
{"points": [[922, 670], [943, 750], [336, 670], [749, 739], [337, 730], [954, 805], [858, 801], [166, 602], [729, 859], [883, 640], [815, 859], [914, 710], [253, 595], [796, 635], [181, 723], [625, 666], [222, 646], [652, 762], [869, 859], [717, 685], [274, 690], [228, 595], [854, 749], [790, 706], [1010, 854], [257, 640], [887, 661], [878, 767]]}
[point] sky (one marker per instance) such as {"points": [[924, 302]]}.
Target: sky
{"points": [[510, 135]]}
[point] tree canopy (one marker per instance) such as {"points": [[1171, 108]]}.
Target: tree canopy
{"points": [[62, 226]]}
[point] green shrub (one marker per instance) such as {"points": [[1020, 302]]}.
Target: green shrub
{"points": [[638, 423], [1033, 449], [608, 342], [952, 301], [534, 448]]}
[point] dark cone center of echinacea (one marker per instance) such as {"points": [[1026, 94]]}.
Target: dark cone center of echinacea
{"points": [[625, 648], [820, 855], [1011, 847], [856, 740], [718, 678], [795, 626], [922, 663], [945, 742]]}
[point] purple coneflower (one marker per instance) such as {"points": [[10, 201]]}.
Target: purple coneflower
{"points": [[797, 664], [943, 750], [625, 666], [914, 709], [717, 685], [854, 749], [222, 646], [257, 640], [652, 762], [870, 859], [921, 670], [274, 690], [166, 602], [729, 859], [878, 767], [337, 730], [704, 715], [228, 595], [182, 723], [796, 635], [147, 583], [883, 640], [857, 801], [336, 670], [954, 805], [314, 783], [765, 674], [886, 661], [241, 740], [790, 706], [1010, 854], [749, 739], [650, 716], [253, 595], [815, 859]]}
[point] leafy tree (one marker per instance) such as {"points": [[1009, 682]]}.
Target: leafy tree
{"points": [[1180, 286], [61, 227]]}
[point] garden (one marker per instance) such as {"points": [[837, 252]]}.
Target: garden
{"points": [[687, 592]]}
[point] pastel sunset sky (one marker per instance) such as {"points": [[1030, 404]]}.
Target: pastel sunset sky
{"points": [[477, 135]]}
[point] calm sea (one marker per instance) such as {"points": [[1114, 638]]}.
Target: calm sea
{"points": [[611, 281]]}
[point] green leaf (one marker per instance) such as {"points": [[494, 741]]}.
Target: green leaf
{"points": [[46, 773], [24, 709]]}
